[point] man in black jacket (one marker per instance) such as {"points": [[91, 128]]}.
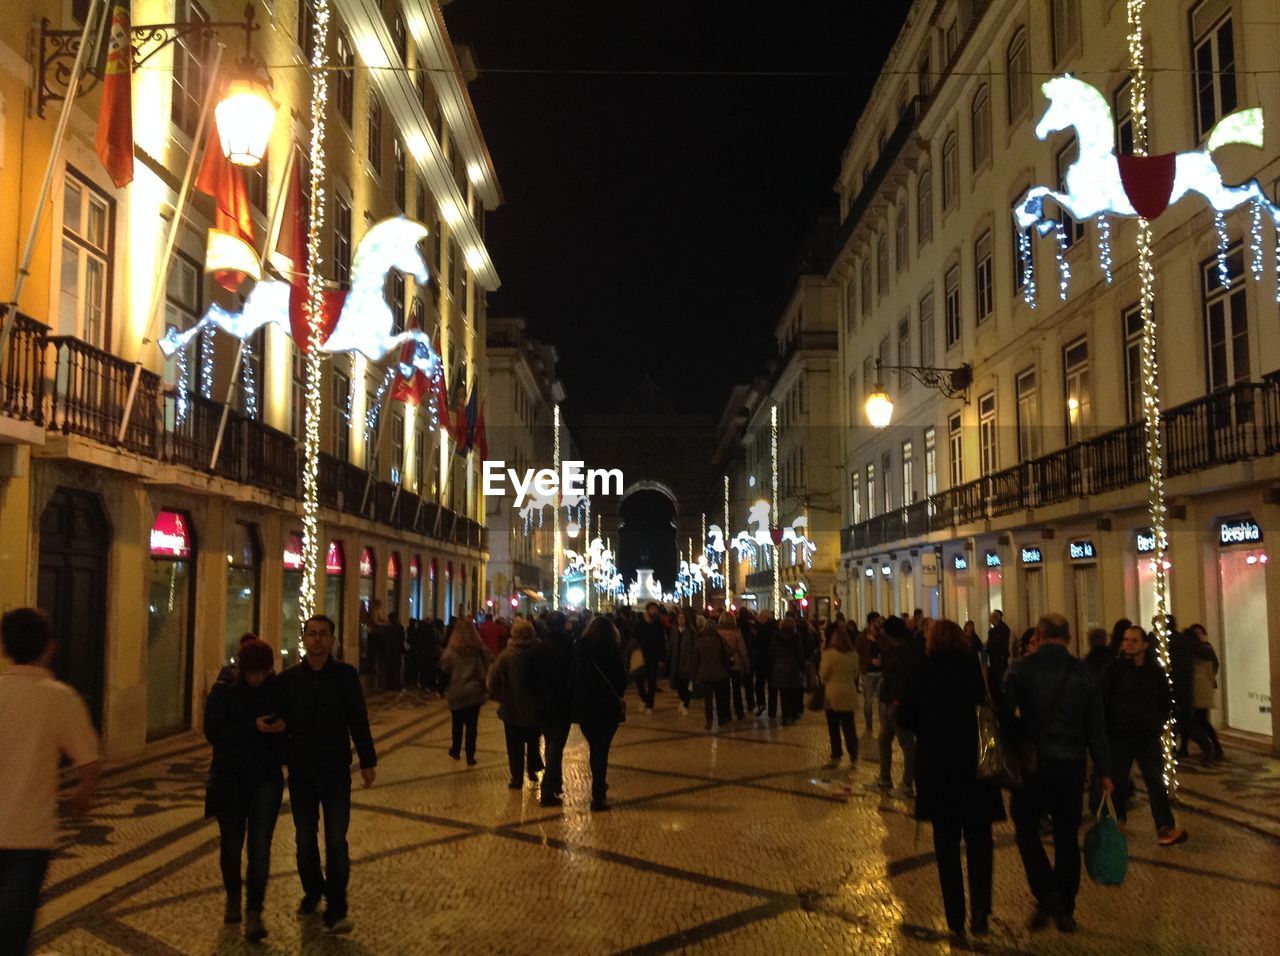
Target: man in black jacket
{"points": [[1135, 701], [997, 651], [553, 685], [323, 708], [901, 654], [1053, 701], [653, 645]]}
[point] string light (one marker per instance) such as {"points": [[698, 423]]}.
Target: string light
{"points": [[206, 364], [773, 509], [1064, 267], [249, 382], [1224, 243], [1028, 267], [727, 580], [1104, 247], [1255, 240], [182, 401], [557, 548]]}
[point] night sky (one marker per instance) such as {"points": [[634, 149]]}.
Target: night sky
{"points": [[651, 222]]}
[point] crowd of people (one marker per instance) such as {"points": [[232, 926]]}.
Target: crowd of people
{"points": [[920, 681]]}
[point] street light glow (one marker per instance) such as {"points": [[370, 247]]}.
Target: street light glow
{"points": [[245, 117], [879, 408]]}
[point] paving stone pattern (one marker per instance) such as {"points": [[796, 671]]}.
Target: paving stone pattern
{"points": [[740, 843]]}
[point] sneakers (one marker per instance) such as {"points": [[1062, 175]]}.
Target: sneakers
{"points": [[833, 763], [308, 906], [1170, 836], [455, 754], [254, 931], [336, 925], [471, 761]]}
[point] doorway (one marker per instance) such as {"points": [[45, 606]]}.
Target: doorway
{"points": [[170, 620], [1084, 583], [1246, 664]]}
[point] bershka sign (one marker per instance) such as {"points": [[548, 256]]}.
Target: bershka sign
{"points": [[1031, 556], [993, 559], [1146, 541], [574, 479], [1239, 531], [1081, 550]]}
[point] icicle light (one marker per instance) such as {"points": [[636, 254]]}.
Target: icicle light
{"points": [[1104, 247]]}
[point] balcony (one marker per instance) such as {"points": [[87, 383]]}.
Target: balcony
{"points": [[21, 382], [1235, 424]]}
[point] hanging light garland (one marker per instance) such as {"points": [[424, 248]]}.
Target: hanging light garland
{"points": [[773, 510], [557, 548], [315, 312]]}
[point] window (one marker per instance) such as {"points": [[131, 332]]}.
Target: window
{"points": [[298, 392], [987, 433], [370, 430], [955, 441], [871, 491], [886, 484], [395, 294], [884, 352], [400, 36], [190, 67], [904, 353], [1017, 62], [853, 394], [1226, 313], [85, 283], [982, 276], [397, 447], [1213, 59], [926, 329], [341, 415], [908, 471], [866, 289], [1079, 401], [255, 181], [980, 115], [924, 207], [306, 29], [341, 240], [1131, 328], [850, 305], [924, 76], [375, 134], [419, 458], [930, 462], [867, 373], [950, 170], [401, 185], [900, 236], [1122, 110], [344, 77], [855, 498], [1028, 415], [420, 199], [950, 41], [953, 305], [1065, 159], [464, 302], [882, 265], [182, 308], [453, 259], [1065, 21]]}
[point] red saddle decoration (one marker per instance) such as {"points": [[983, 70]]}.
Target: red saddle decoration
{"points": [[333, 301], [1148, 182]]}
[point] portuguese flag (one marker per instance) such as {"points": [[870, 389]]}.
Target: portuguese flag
{"points": [[114, 142]]}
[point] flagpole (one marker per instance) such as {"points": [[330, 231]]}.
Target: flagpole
{"points": [[377, 440], [162, 274], [55, 154]]}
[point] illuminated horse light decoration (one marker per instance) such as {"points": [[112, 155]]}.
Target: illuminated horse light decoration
{"points": [[754, 548], [1100, 183], [365, 323], [797, 536]]}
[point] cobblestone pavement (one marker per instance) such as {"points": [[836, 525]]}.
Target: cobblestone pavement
{"points": [[738, 843]]}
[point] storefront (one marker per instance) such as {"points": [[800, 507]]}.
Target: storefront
{"points": [[392, 603], [415, 588], [448, 592], [884, 589], [929, 581], [959, 580], [906, 587], [291, 594], [1082, 559], [993, 575], [335, 577], [433, 572], [170, 624], [1142, 604], [244, 557], [1246, 658], [1031, 564], [367, 566]]}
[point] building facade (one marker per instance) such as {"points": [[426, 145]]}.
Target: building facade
{"points": [[1031, 495], [154, 552]]}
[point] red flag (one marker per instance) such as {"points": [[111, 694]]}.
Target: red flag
{"points": [[440, 392], [114, 142], [291, 241], [409, 390], [230, 255], [334, 299]]}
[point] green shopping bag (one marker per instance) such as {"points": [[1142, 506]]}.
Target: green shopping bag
{"points": [[1106, 851]]}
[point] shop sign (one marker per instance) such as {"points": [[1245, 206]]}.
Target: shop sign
{"points": [[415, 568], [1146, 541], [293, 552], [169, 536], [1031, 556], [333, 560], [1081, 550], [366, 563], [960, 562], [1239, 531], [929, 569], [992, 559]]}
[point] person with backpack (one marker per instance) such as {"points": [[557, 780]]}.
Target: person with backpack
{"points": [[512, 684]]}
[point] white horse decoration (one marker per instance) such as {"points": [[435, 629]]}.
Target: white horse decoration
{"points": [[754, 548], [535, 505], [1100, 183], [364, 325], [796, 535]]}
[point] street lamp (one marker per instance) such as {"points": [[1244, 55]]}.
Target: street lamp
{"points": [[246, 114], [951, 382]]}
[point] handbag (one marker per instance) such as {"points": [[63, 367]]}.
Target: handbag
{"points": [[1106, 851], [622, 701], [636, 663], [995, 762]]}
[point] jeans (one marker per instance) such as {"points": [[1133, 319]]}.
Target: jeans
{"points": [[522, 741], [906, 740], [467, 718], [737, 684], [259, 821], [310, 789], [717, 696], [599, 738], [1150, 758], [681, 686], [21, 876], [647, 681], [870, 692], [979, 854], [838, 721], [1055, 789], [556, 736]]}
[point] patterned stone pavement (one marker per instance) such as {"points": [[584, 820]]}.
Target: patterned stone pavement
{"points": [[737, 843]]}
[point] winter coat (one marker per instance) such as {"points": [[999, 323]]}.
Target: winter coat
{"points": [[868, 650], [392, 640], [599, 681], [712, 657], [787, 655], [682, 652], [732, 637], [466, 677], [940, 706], [839, 674], [553, 678], [652, 637], [998, 645], [1204, 681], [511, 682], [325, 712], [901, 659], [758, 645], [1135, 700], [1099, 657], [243, 756], [1058, 703]]}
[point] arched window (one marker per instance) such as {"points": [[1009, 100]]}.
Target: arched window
{"points": [[1017, 65], [950, 170], [981, 127], [924, 207]]}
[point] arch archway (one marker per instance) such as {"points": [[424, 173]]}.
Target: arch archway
{"points": [[647, 532]]}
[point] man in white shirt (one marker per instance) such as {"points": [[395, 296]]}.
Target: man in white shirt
{"points": [[43, 719]]}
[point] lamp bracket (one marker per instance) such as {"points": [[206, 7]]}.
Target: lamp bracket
{"points": [[951, 382]]}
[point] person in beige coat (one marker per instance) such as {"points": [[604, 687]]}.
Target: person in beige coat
{"points": [[839, 674], [739, 665]]}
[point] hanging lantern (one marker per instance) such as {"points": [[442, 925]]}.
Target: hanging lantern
{"points": [[245, 116], [879, 408]]}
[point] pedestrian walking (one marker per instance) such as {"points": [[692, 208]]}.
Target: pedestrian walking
{"points": [[839, 674], [651, 637], [323, 709], [229, 670], [902, 653], [553, 686], [1052, 702], [711, 672], [466, 660], [786, 684], [1184, 650], [375, 622], [867, 646], [758, 643], [998, 638], [1204, 682], [511, 682], [739, 665], [242, 721], [393, 648], [1136, 706], [44, 720], [683, 657], [939, 706], [599, 681]]}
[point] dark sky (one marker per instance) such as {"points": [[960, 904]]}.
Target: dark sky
{"points": [[651, 221]]}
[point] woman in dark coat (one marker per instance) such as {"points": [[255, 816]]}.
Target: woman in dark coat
{"points": [[682, 657], [787, 654], [940, 706], [711, 672], [245, 784], [599, 681]]}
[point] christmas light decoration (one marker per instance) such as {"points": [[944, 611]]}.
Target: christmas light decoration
{"points": [[1224, 243], [728, 580], [557, 546], [206, 365], [249, 382], [1104, 247], [181, 401], [773, 511]]}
